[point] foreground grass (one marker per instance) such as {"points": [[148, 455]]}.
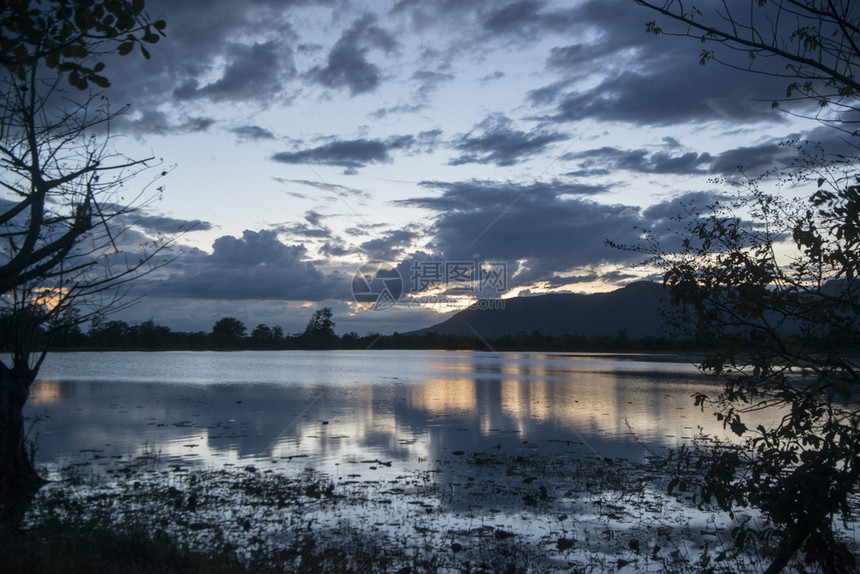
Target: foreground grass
{"points": [[68, 546], [473, 513], [71, 547]]}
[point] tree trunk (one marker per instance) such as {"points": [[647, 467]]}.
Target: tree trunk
{"points": [[19, 480], [788, 549]]}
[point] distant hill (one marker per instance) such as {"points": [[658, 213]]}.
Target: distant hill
{"points": [[634, 309]]}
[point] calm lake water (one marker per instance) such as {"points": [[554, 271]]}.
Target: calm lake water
{"points": [[337, 411]]}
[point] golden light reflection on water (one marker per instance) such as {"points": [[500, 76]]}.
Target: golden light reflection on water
{"points": [[613, 404], [45, 392], [445, 396]]}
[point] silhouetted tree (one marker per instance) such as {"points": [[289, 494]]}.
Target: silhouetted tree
{"points": [[813, 44], [277, 335], [60, 184], [109, 333], [265, 337], [151, 336], [69, 36], [772, 283], [319, 332], [777, 292], [261, 335], [228, 332]]}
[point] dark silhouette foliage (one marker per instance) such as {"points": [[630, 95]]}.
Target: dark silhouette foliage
{"points": [[63, 192], [814, 45], [773, 283], [228, 333], [69, 36], [772, 280], [320, 330]]}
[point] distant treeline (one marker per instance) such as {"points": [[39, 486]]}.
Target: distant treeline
{"points": [[230, 333]]}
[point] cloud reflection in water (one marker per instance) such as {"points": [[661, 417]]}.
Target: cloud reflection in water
{"points": [[333, 410]]}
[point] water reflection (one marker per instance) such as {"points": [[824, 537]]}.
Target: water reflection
{"points": [[334, 410], [442, 396]]}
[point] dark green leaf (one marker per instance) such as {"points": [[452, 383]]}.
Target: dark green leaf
{"points": [[100, 81]]}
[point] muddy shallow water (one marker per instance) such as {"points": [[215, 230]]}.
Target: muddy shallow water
{"points": [[334, 407]]}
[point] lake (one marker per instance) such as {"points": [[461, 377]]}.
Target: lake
{"points": [[514, 461], [339, 411]]}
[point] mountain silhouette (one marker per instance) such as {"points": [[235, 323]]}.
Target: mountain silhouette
{"points": [[634, 309]]}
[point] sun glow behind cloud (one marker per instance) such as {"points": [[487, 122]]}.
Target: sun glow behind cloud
{"points": [[50, 297]]}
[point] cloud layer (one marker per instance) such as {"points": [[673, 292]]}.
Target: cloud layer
{"points": [[524, 131], [255, 266]]}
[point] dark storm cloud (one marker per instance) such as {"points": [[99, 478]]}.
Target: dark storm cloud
{"points": [[313, 228], [304, 230], [834, 140], [389, 247], [666, 221], [348, 153], [666, 211], [548, 94], [425, 15], [251, 72], [542, 232], [244, 52], [348, 65], [753, 160], [497, 75], [336, 248], [543, 225], [314, 217], [330, 188], [163, 224], [494, 141], [566, 57], [429, 81], [607, 159], [353, 153], [398, 109], [666, 96], [513, 17], [223, 51], [252, 133], [642, 79], [158, 122], [775, 154], [615, 71], [526, 18], [255, 266]]}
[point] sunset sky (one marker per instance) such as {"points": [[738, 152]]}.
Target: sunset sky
{"points": [[307, 138]]}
